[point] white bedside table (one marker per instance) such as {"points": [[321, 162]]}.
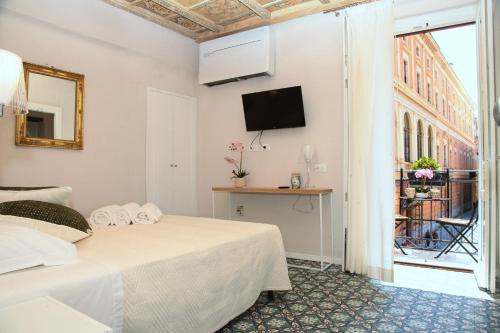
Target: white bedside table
{"points": [[47, 315]]}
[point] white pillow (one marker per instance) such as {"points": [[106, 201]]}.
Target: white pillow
{"points": [[63, 232], [56, 195], [23, 248]]}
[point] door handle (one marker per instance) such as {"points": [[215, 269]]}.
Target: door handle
{"points": [[496, 112]]}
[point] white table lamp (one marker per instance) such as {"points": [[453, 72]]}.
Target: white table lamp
{"points": [[12, 87], [308, 157]]}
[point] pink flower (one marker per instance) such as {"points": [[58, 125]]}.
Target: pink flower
{"points": [[424, 174], [237, 146]]}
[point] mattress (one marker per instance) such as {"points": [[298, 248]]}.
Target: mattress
{"points": [[186, 274], [182, 274]]}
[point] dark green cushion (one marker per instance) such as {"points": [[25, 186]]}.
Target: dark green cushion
{"points": [[47, 212]]}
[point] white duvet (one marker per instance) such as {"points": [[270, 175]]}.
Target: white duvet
{"points": [[183, 274]]}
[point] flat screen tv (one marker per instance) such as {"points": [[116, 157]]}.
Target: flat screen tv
{"points": [[273, 109]]}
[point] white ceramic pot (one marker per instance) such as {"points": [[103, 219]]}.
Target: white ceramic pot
{"points": [[240, 182], [422, 195]]}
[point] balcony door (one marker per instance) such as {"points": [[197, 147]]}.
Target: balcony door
{"points": [[488, 27]]}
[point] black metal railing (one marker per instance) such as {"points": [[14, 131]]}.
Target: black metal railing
{"points": [[457, 193]]}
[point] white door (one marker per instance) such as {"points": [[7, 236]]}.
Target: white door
{"points": [[488, 151], [170, 152], [495, 92]]}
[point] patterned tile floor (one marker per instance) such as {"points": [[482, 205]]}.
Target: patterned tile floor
{"points": [[334, 301]]}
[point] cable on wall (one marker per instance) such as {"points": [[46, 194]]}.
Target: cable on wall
{"points": [[259, 135], [311, 205]]}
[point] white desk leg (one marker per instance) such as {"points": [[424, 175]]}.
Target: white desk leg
{"points": [[320, 196], [230, 210], [213, 204], [331, 223]]}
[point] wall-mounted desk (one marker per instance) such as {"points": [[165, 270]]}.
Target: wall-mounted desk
{"points": [[321, 193]]}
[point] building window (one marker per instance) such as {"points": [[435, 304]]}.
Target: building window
{"points": [[445, 159], [429, 93], [429, 142], [406, 137], [436, 101], [419, 87], [437, 153], [405, 71], [420, 139], [444, 107], [417, 51]]}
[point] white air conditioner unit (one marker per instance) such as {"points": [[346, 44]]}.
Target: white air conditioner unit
{"points": [[236, 57]]}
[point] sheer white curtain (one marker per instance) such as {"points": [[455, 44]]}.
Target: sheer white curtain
{"points": [[370, 226]]}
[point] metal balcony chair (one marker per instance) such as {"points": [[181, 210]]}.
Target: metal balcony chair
{"points": [[400, 219], [462, 227]]}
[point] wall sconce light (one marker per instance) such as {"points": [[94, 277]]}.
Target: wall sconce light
{"points": [[12, 87]]}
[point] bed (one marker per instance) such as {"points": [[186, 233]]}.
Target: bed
{"points": [[182, 274]]}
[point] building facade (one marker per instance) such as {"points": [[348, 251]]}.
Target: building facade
{"points": [[434, 115]]}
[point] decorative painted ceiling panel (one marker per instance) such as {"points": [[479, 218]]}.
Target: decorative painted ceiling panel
{"points": [[207, 19]]}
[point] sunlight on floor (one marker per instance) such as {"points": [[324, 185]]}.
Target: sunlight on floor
{"points": [[437, 280], [422, 257]]}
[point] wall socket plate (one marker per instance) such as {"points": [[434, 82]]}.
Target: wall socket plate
{"points": [[320, 167], [240, 210], [258, 147]]}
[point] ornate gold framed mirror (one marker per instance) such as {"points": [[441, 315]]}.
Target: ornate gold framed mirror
{"points": [[55, 104]]}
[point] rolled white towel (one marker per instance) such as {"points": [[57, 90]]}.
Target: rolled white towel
{"points": [[101, 217], [148, 214], [110, 215], [154, 209], [131, 209]]}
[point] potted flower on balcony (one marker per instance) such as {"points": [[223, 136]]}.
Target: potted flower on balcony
{"points": [[423, 175], [239, 173], [439, 179]]}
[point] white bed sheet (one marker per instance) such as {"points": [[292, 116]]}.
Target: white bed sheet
{"points": [[186, 274], [92, 288], [182, 274]]}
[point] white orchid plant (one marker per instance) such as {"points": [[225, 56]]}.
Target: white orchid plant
{"points": [[239, 172]]}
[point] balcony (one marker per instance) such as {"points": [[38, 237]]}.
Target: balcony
{"points": [[421, 234]]}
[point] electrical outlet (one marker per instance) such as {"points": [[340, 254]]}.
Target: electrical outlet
{"points": [[254, 147], [239, 210], [258, 147], [321, 167]]}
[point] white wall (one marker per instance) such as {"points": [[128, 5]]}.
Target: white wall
{"points": [[419, 15], [308, 53], [120, 55]]}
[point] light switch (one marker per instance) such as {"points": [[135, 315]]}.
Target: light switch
{"points": [[321, 167]]}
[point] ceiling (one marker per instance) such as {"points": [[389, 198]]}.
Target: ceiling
{"points": [[202, 20]]}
